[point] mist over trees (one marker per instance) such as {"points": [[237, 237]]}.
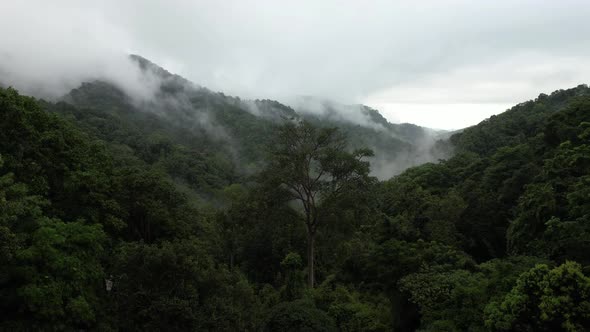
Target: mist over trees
{"points": [[191, 210]]}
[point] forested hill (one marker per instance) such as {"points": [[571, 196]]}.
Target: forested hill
{"points": [[518, 124], [237, 129], [194, 211], [516, 194]]}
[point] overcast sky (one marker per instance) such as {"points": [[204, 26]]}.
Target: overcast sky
{"points": [[441, 64]]}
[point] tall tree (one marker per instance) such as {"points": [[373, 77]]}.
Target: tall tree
{"points": [[313, 165]]}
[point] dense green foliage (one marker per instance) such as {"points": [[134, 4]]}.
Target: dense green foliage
{"points": [[312, 165], [141, 216]]}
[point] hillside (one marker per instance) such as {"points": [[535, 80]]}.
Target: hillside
{"points": [[181, 212], [236, 129], [514, 195]]}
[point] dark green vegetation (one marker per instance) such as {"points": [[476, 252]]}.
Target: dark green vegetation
{"points": [[163, 216]]}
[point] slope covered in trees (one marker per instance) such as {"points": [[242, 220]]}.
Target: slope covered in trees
{"points": [[496, 237], [177, 213], [236, 131]]}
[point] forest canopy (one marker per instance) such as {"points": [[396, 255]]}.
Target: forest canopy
{"points": [[114, 217]]}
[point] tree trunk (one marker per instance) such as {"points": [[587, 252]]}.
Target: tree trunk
{"points": [[310, 258]]}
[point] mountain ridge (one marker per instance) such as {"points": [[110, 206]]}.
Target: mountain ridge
{"points": [[240, 122]]}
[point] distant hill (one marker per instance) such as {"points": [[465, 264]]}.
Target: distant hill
{"points": [[236, 130]]}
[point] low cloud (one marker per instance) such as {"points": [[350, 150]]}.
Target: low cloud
{"points": [[431, 54], [424, 150], [334, 111], [47, 51]]}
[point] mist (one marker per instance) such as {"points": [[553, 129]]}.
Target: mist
{"points": [[334, 111], [424, 150], [48, 51], [438, 64]]}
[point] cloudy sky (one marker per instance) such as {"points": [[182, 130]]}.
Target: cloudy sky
{"points": [[442, 64]]}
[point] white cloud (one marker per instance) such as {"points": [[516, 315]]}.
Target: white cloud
{"points": [[466, 95], [47, 50]]}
